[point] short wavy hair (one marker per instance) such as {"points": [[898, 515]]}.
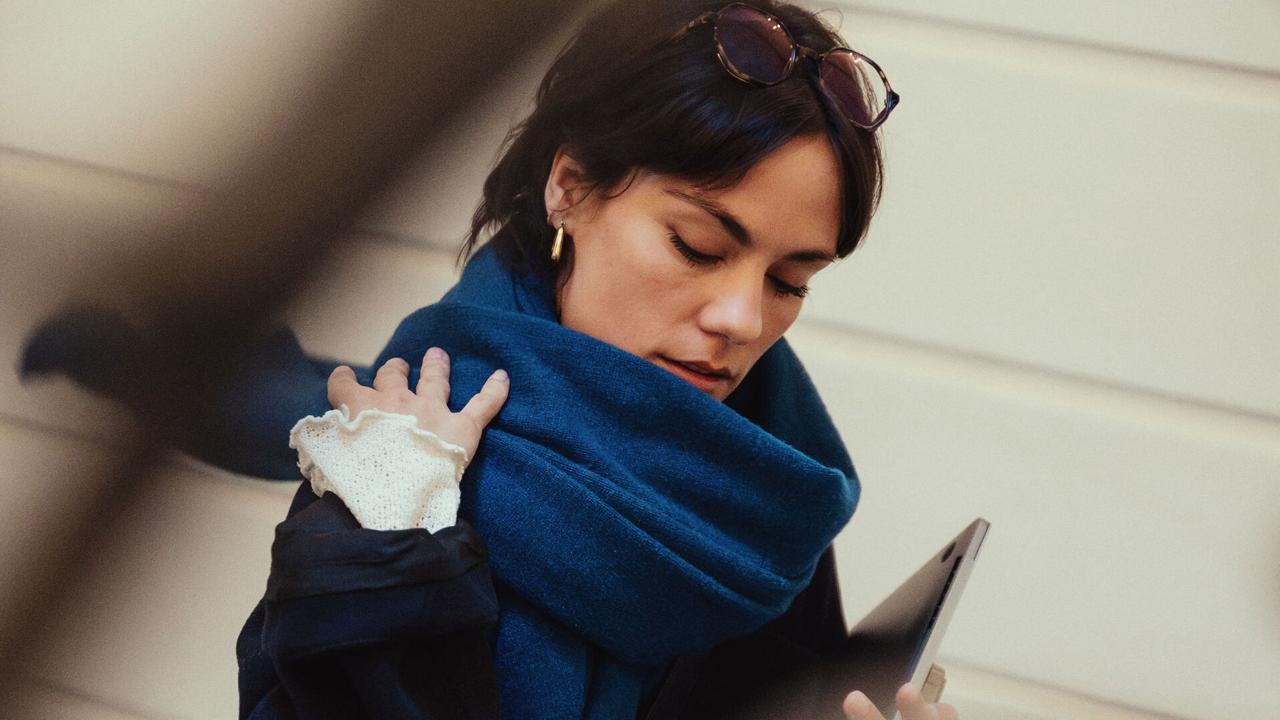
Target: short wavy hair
{"points": [[626, 94]]}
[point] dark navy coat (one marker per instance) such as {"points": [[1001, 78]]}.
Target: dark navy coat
{"points": [[362, 623]]}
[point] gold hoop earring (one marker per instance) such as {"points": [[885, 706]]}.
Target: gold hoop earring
{"points": [[557, 243]]}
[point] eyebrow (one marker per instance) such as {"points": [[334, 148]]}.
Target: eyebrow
{"points": [[733, 226]]}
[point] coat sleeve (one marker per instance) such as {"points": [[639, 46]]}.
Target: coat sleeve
{"points": [[359, 623], [354, 623], [245, 431]]}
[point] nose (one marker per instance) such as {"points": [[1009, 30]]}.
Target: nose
{"points": [[735, 308]]}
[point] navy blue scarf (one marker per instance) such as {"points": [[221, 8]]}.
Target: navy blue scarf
{"points": [[630, 517]]}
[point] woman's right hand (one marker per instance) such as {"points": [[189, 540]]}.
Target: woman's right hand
{"points": [[911, 705], [428, 402]]}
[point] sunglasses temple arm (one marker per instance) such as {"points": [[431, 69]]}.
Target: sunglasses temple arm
{"points": [[703, 18]]}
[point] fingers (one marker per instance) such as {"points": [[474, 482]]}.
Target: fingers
{"points": [[485, 404], [433, 380], [858, 706], [342, 386], [393, 375], [912, 705]]}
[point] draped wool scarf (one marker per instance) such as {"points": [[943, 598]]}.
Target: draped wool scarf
{"points": [[630, 517]]}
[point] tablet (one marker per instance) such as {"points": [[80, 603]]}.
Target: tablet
{"points": [[894, 644], [898, 640]]}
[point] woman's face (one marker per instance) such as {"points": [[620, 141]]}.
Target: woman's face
{"points": [[700, 283]]}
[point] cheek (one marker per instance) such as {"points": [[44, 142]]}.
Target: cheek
{"points": [[778, 319], [627, 294], [781, 317], [633, 278]]}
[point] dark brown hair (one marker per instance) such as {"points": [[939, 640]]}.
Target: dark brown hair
{"points": [[623, 95]]}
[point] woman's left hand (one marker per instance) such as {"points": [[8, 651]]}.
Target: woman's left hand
{"points": [[910, 705], [428, 402]]}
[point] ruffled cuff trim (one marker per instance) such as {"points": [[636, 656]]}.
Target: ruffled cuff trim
{"points": [[389, 472]]}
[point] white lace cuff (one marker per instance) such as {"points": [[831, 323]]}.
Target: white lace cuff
{"points": [[391, 474]]}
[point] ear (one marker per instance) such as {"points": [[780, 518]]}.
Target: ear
{"points": [[564, 183]]}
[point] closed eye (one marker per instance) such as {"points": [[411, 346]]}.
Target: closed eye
{"points": [[783, 289], [693, 257], [696, 259]]}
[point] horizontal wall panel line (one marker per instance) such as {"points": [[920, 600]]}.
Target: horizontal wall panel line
{"points": [[1063, 41], [976, 682], [45, 696], [998, 376], [28, 163], [117, 442], [59, 163], [960, 43], [166, 462]]}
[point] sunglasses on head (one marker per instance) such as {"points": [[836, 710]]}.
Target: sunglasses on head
{"points": [[756, 48]]}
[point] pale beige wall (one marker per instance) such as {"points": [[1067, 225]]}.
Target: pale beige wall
{"points": [[1063, 321]]}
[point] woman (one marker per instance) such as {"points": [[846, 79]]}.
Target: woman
{"points": [[657, 493], [649, 483]]}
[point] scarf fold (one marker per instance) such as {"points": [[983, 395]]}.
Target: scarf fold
{"points": [[630, 517]]}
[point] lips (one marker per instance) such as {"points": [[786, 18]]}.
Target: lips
{"points": [[703, 375], [704, 368]]}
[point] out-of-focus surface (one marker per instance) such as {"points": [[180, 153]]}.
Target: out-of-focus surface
{"points": [[1064, 321]]}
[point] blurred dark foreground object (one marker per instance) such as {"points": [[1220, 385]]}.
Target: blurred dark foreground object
{"points": [[207, 285], [276, 383]]}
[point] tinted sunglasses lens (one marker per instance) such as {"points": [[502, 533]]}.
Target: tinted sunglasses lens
{"points": [[756, 45], [854, 86]]}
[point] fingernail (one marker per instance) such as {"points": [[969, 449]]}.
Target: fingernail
{"points": [[435, 353], [500, 375]]}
